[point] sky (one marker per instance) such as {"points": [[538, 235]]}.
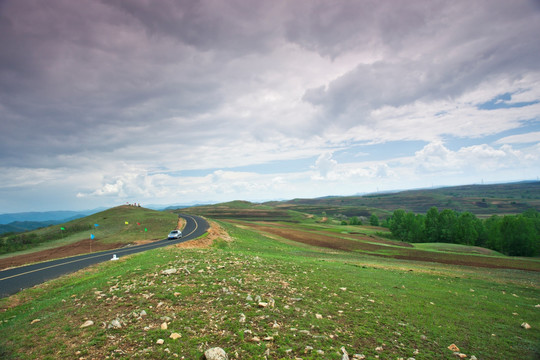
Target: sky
{"points": [[206, 101]]}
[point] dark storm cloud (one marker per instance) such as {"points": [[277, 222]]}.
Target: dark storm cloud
{"points": [[432, 51], [225, 26], [67, 70]]}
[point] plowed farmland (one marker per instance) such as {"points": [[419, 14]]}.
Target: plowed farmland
{"points": [[378, 246]]}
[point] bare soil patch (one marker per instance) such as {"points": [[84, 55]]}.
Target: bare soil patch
{"points": [[320, 240], [214, 232], [80, 247]]}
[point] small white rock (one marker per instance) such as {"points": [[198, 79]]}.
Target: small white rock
{"points": [[526, 326], [216, 353], [115, 324], [169, 271], [160, 341], [87, 323]]}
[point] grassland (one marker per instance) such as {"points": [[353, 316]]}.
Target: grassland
{"points": [[269, 293]]}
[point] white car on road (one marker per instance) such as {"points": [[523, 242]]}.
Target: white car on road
{"points": [[175, 234]]}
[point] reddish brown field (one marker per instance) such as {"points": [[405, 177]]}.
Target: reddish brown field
{"points": [[377, 246], [80, 247]]}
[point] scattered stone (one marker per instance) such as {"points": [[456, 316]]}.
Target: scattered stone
{"points": [[453, 347], [255, 339], [473, 357], [87, 323], [526, 326], [423, 337], [460, 355], [175, 336], [35, 321], [115, 324], [320, 352], [164, 326], [268, 338], [318, 316], [249, 298], [379, 348], [308, 349], [359, 356], [242, 318], [258, 299], [216, 353], [343, 288], [263, 304], [169, 271], [160, 341], [537, 306], [345, 353]]}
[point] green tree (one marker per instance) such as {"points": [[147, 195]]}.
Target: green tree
{"points": [[447, 223], [494, 238], [431, 225], [520, 236], [465, 229], [374, 220], [396, 222]]}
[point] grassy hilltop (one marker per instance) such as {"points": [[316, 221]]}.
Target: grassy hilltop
{"points": [[292, 286]]}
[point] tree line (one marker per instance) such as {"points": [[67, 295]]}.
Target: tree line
{"points": [[514, 235]]}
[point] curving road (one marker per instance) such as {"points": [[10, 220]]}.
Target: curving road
{"points": [[17, 279]]}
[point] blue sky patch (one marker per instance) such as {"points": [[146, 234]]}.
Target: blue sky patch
{"points": [[502, 102]]}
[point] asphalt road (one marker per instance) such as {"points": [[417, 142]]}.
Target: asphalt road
{"points": [[16, 279]]}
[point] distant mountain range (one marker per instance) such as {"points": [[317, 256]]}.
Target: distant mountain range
{"points": [[25, 221]]}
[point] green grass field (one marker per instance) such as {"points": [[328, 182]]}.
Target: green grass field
{"points": [[261, 296]]}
